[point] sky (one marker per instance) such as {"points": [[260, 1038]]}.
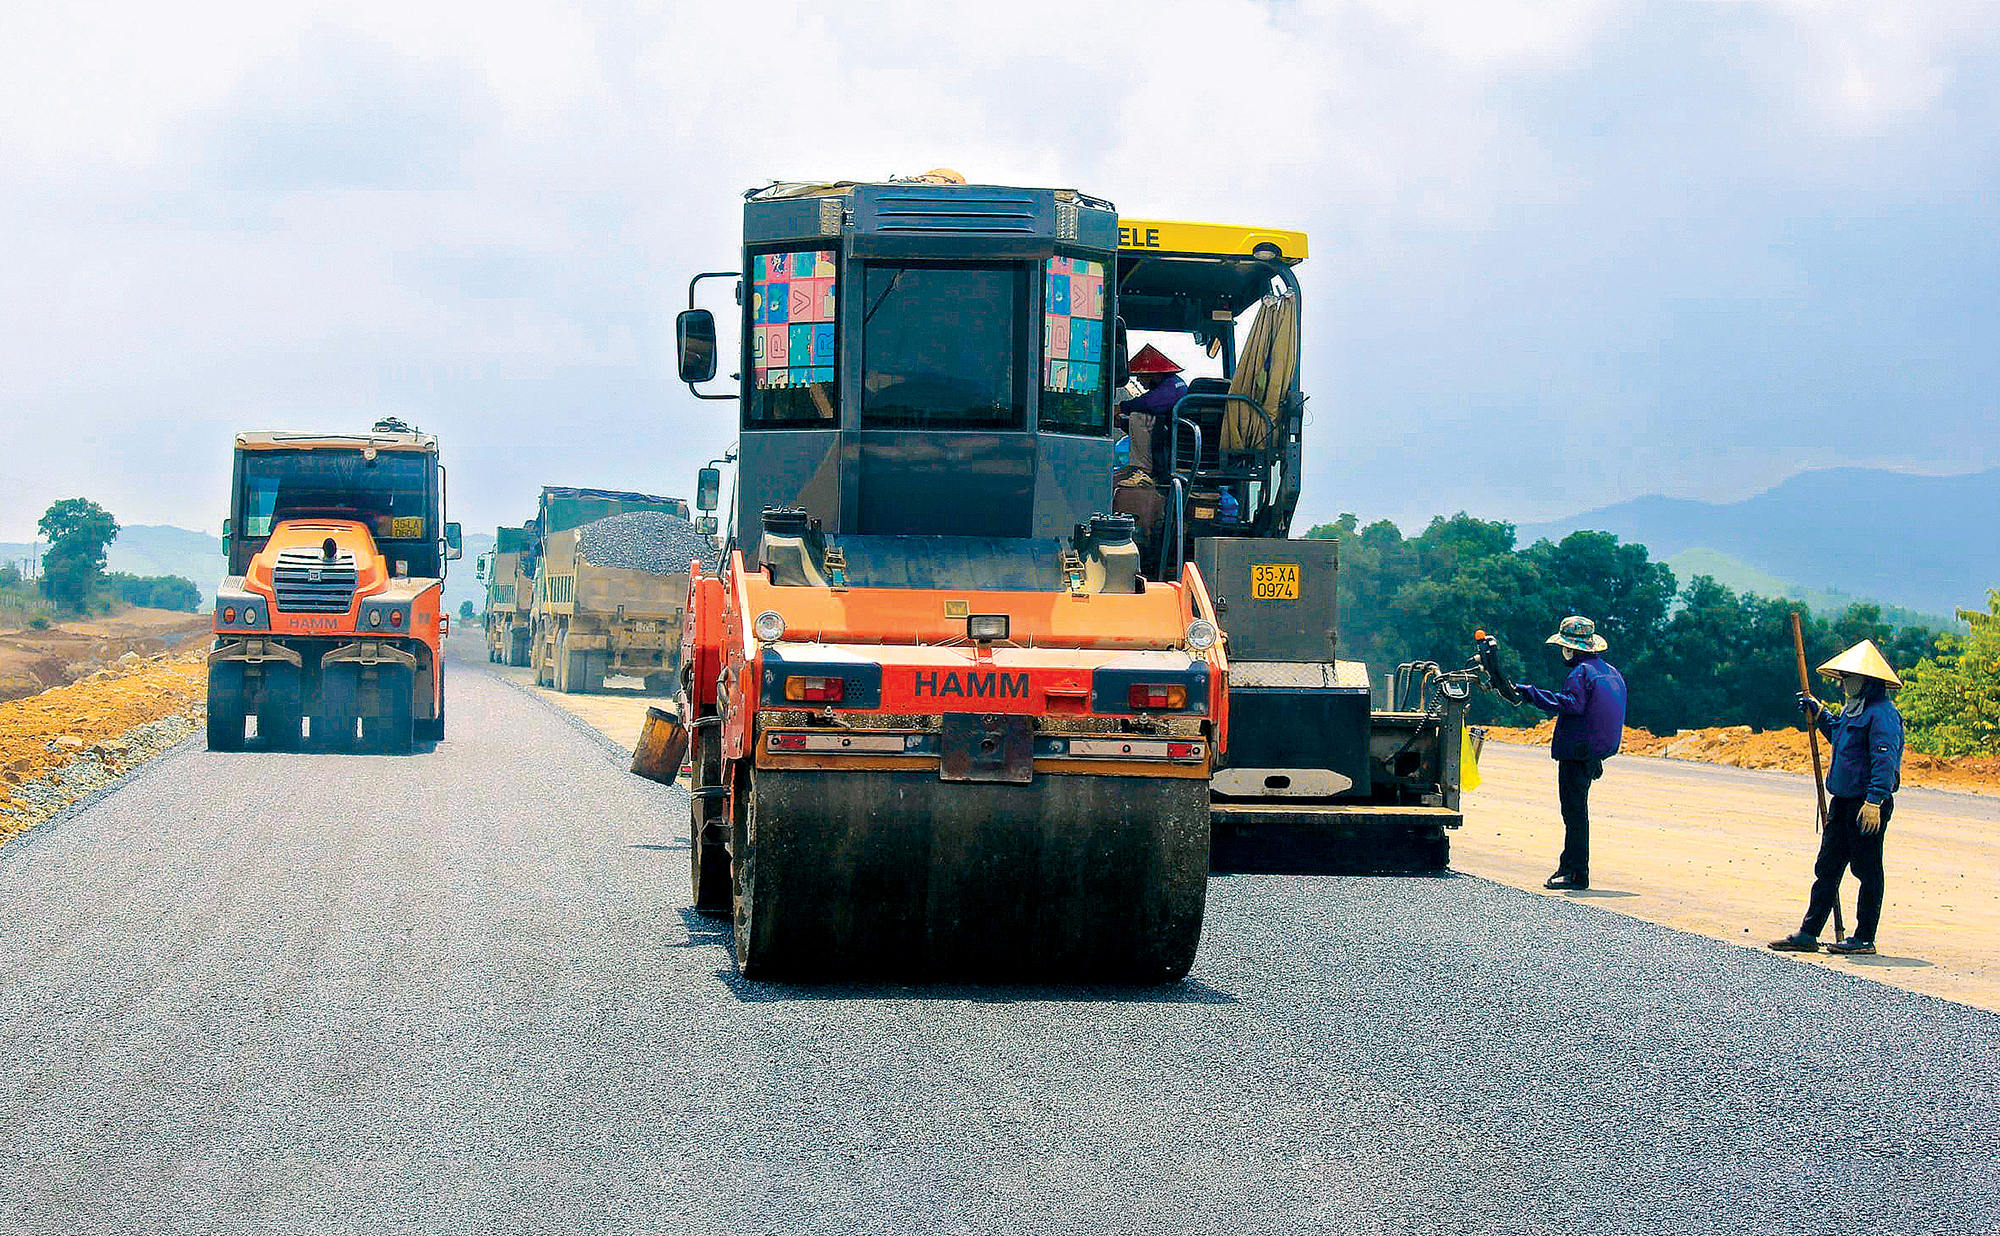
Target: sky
{"points": [[1563, 253]]}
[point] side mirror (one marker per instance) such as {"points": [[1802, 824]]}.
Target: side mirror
{"points": [[706, 525], [225, 537], [694, 335], [708, 489], [454, 542], [1122, 363], [479, 567]]}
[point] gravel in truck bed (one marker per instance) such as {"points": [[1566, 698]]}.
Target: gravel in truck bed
{"points": [[652, 541]]}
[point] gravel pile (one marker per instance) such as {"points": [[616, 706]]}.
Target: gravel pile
{"points": [[95, 768], [652, 541]]}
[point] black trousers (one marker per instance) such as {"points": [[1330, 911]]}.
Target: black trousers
{"points": [[1573, 778], [1841, 846]]}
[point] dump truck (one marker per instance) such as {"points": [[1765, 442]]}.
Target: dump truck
{"points": [[510, 595], [942, 724], [1316, 777], [329, 622], [589, 620]]}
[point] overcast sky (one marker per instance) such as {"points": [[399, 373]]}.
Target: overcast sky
{"points": [[1563, 253]]}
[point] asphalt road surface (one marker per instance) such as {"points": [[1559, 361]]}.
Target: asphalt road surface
{"points": [[458, 992]]}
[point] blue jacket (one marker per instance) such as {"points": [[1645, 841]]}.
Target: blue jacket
{"points": [[1867, 750], [1589, 710]]}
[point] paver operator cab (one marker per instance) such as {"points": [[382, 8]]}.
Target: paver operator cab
{"points": [[329, 621], [942, 725]]}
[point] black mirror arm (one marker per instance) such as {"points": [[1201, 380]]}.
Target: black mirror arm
{"points": [[693, 283]]}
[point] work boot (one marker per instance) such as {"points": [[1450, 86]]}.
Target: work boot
{"points": [[1566, 881], [1852, 945], [1797, 942]]}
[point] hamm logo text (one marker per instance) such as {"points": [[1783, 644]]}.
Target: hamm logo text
{"points": [[994, 686]]}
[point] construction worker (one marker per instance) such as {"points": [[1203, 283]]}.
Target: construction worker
{"points": [[1866, 734], [1151, 411], [1590, 724]]}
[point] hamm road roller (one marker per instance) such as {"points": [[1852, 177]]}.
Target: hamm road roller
{"points": [[329, 623], [942, 725]]}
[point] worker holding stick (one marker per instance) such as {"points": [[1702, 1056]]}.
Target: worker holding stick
{"points": [[1866, 735]]}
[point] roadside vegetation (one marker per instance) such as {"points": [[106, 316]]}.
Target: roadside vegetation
{"points": [[73, 580], [1697, 655]]}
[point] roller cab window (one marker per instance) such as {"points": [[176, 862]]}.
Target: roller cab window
{"points": [[390, 494], [794, 377], [944, 346]]}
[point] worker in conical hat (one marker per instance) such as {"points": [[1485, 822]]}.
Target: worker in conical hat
{"points": [[1160, 387], [1866, 736]]}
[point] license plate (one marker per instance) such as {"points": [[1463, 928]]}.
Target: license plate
{"points": [[1274, 581]]}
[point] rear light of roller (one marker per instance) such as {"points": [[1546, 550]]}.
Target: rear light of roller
{"points": [[229, 613], [788, 742], [1156, 695], [812, 690], [1182, 750]]}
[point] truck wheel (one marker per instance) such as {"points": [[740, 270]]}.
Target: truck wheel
{"points": [[433, 729], [225, 706], [339, 707], [517, 650], [574, 667], [596, 666], [280, 708], [388, 727]]}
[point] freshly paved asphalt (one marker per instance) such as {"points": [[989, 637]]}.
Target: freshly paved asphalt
{"points": [[458, 992]]}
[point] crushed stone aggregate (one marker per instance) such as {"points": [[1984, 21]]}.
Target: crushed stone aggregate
{"points": [[461, 992], [654, 541]]}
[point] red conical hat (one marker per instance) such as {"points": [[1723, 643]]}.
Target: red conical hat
{"points": [[1151, 360]]}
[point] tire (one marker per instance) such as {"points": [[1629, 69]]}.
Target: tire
{"points": [[517, 649], [433, 729], [708, 828], [280, 708], [339, 708], [225, 707], [388, 727]]}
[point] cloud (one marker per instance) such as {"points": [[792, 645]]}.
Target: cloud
{"points": [[1563, 253]]}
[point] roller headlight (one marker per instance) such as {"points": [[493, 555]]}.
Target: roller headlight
{"points": [[769, 626], [374, 617], [1201, 635], [249, 615]]}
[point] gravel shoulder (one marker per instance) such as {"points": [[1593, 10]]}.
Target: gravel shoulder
{"points": [[458, 992]]}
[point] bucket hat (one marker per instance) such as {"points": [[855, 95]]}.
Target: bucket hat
{"points": [[1579, 634]]}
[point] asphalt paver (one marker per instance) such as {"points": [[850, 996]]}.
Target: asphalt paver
{"points": [[460, 991]]}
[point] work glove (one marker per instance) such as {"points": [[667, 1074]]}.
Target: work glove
{"points": [[1810, 705], [1870, 818]]}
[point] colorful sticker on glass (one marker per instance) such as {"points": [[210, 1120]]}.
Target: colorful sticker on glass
{"points": [[1073, 325], [791, 318]]}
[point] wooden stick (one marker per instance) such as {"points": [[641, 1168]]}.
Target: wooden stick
{"points": [[1819, 778]]}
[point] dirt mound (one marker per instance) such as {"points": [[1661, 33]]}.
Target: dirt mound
{"points": [[32, 661], [91, 720], [1738, 746]]}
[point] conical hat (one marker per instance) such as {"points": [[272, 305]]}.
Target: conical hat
{"points": [[1864, 659], [1151, 360]]}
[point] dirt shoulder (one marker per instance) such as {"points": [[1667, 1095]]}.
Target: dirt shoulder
{"points": [[33, 661], [1779, 751], [60, 744]]}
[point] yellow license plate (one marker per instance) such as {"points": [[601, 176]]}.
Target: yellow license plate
{"points": [[1274, 581], [406, 527]]}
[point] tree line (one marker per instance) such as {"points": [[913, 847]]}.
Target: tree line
{"points": [[1694, 655], [73, 575]]}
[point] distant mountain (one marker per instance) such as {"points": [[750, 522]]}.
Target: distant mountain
{"points": [[1925, 543]]}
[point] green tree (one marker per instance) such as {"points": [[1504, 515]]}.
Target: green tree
{"points": [[78, 530], [1950, 701], [465, 610]]}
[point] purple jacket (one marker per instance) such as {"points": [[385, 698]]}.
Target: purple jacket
{"points": [[1589, 710]]}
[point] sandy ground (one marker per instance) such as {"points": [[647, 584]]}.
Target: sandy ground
{"points": [[1728, 853], [90, 720], [32, 661], [1784, 750]]}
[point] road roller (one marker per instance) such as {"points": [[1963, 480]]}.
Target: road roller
{"points": [[329, 622], [943, 727]]}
